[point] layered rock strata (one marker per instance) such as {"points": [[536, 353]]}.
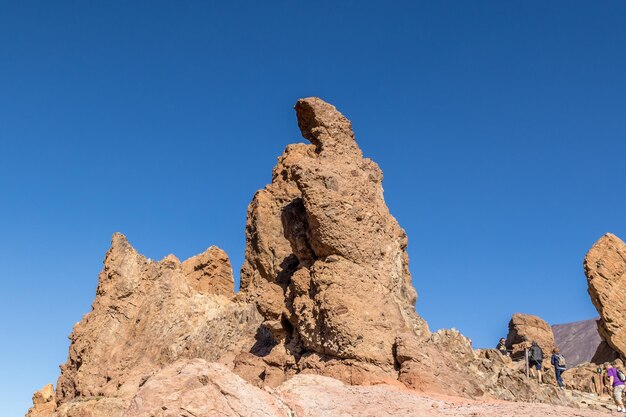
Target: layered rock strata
{"points": [[326, 262], [147, 314], [605, 268]]}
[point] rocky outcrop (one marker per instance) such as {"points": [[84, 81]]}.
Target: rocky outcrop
{"points": [[44, 402], [524, 329], [325, 262], [148, 314], [325, 291], [578, 341], [605, 268], [195, 387], [446, 364]]}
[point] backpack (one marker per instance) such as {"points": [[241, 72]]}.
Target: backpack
{"points": [[561, 361], [621, 376], [536, 354]]}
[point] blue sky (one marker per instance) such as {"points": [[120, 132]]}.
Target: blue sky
{"points": [[499, 126]]}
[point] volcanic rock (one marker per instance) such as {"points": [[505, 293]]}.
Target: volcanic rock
{"points": [[148, 314], [325, 262], [524, 329], [44, 403], [605, 268]]}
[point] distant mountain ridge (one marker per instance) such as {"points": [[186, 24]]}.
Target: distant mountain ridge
{"points": [[578, 341]]}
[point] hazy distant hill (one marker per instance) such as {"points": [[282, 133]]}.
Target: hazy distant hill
{"points": [[578, 341]]}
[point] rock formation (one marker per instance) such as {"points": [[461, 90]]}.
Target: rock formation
{"points": [[524, 329], [147, 314], [326, 263], [605, 268], [44, 402], [325, 290]]}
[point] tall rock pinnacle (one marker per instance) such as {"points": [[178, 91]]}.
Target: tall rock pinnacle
{"points": [[326, 263]]}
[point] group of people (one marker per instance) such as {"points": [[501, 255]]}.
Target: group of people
{"points": [[535, 361], [616, 378]]}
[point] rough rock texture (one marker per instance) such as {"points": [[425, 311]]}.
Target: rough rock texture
{"points": [[44, 402], [318, 396], [524, 329], [578, 341], [605, 268], [325, 262], [210, 273], [197, 388], [148, 314], [478, 374]]}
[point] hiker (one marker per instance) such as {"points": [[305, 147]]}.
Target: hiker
{"points": [[558, 361], [535, 359], [618, 386], [502, 347]]}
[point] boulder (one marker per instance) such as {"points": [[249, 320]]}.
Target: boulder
{"points": [[605, 268], [523, 330]]}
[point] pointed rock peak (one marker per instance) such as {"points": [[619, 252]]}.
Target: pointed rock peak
{"points": [[325, 127], [170, 261], [120, 247], [119, 240]]}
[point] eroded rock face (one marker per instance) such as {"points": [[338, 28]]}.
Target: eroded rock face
{"points": [[44, 403], [195, 387], [326, 263], [605, 268], [446, 364], [524, 329], [148, 314]]}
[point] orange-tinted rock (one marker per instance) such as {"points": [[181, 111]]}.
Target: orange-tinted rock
{"points": [[147, 314], [210, 273], [326, 263], [44, 403], [605, 268], [524, 329]]}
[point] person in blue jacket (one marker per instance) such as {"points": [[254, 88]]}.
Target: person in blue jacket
{"points": [[558, 361]]}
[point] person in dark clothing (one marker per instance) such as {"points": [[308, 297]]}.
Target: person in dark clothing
{"points": [[535, 359], [502, 347], [558, 361]]}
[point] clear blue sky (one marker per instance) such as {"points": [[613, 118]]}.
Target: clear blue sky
{"points": [[500, 127]]}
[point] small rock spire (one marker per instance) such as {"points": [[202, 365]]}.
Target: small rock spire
{"points": [[325, 127]]}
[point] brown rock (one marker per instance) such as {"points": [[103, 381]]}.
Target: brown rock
{"points": [[524, 329], [198, 388], [148, 314], [326, 262], [605, 268], [210, 273], [44, 403]]}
